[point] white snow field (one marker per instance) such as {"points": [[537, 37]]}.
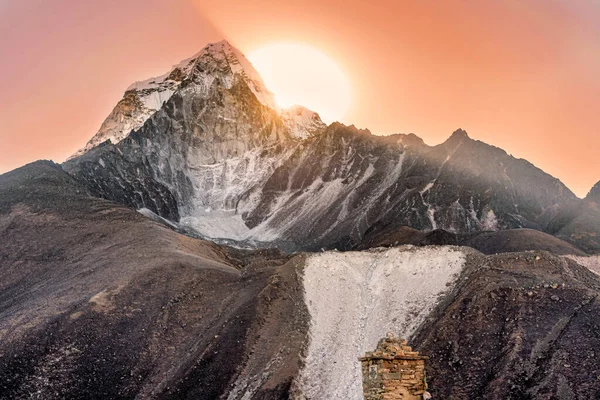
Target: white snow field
{"points": [[356, 298]]}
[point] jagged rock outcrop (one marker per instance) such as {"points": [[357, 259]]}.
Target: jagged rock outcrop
{"points": [[140, 102]]}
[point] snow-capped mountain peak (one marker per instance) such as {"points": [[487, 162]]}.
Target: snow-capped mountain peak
{"points": [[224, 52], [140, 101], [219, 63]]}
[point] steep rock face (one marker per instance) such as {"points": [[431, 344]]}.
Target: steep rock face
{"points": [[140, 102], [327, 188], [218, 137]]}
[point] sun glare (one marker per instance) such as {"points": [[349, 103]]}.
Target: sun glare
{"points": [[299, 74]]}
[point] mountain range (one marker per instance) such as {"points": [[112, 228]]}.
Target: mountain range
{"points": [[222, 161], [206, 243]]}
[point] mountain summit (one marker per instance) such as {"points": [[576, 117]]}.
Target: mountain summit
{"points": [[218, 63]]}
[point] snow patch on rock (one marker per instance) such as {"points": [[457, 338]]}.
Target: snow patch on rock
{"points": [[225, 189], [153, 216], [302, 122], [155, 100], [490, 222], [217, 224], [355, 298]]}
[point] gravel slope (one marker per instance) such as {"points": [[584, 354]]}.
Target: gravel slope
{"points": [[355, 298]]}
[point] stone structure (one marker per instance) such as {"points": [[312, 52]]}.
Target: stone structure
{"points": [[394, 372]]}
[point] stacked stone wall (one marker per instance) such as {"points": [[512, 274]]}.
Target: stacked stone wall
{"points": [[394, 372]]}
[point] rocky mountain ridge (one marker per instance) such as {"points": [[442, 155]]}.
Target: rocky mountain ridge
{"points": [[222, 161]]}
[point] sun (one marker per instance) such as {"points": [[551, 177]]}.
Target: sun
{"points": [[300, 74]]}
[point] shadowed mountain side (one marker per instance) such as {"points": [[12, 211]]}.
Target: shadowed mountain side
{"points": [[594, 194], [345, 181], [519, 326], [97, 301], [509, 241], [579, 223]]}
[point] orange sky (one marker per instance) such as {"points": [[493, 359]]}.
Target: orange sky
{"points": [[521, 75]]}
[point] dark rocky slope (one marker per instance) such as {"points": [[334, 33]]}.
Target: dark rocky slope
{"points": [[97, 301], [519, 326]]}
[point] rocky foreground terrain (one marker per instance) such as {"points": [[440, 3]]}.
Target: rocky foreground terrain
{"points": [[98, 301], [207, 245]]}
